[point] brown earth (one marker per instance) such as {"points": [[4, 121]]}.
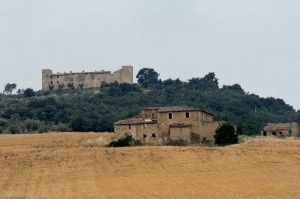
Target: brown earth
{"points": [[57, 165]]}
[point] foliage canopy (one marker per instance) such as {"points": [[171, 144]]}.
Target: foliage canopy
{"points": [[86, 110], [226, 135]]}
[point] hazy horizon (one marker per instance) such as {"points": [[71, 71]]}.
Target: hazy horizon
{"points": [[255, 44]]}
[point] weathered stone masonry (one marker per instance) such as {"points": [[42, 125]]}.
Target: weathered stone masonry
{"points": [[52, 81], [281, 130], [155, 124]]}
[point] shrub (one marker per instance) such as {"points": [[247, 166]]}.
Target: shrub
{"points": [[43, 129], [127, 140], [179, 142], [225, 135], [60, 127], [195, 138], [14, 129], [98, 142]]}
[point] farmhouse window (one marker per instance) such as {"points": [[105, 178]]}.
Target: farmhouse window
{"points": [[170, 116], [187, 115]]}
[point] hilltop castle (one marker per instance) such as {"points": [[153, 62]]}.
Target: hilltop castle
{"points": [[52, 81]]}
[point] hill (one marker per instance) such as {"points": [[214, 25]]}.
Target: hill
{"points": [[58, 165], [97, 109]]}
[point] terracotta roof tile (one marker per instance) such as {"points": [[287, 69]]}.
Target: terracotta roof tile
{"points": [[175, 109], [137, 120]]}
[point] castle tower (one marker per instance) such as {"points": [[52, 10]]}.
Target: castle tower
{"points": [[127, 74], [46, 75]]}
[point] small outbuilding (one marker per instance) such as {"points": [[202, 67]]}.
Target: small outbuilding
{"points": [[281, 130]]}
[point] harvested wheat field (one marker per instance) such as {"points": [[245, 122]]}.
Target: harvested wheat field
{"points": [[57, 165]]}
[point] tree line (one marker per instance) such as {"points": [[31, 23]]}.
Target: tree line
{"points": [[86, 110]]}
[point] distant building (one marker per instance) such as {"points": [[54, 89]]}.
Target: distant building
{"points": [[55, 81], [281, 129], [175, 122]]}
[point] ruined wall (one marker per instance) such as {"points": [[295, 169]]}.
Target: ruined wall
{"points": [[84, 79], [282, 129]]}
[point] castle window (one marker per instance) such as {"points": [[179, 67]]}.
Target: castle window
{"points": [[144, 136], [187, 115], [129, 126], [58, 82], [153, 135], [170, 116], [51, 82]]}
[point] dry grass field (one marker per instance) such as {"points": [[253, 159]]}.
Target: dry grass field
{"points": [[57, 165]]}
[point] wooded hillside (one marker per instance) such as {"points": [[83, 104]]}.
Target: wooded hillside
{"points": [[89, 110]]}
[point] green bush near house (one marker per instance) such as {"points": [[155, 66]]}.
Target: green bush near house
{"points": [[226, 135]]}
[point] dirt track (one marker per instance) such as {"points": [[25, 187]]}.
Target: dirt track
{"points": [[60, 166]]}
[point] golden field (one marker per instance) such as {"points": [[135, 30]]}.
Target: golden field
{"points": [[64, 165]]}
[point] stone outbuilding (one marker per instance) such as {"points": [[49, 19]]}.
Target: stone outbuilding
{"points": [[156, 124], [281, 130]]}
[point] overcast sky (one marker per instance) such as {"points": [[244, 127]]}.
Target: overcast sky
{"points": [[255, 43]]}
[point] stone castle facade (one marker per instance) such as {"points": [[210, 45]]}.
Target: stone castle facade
{"points": [[55, 81], [156, 124]]}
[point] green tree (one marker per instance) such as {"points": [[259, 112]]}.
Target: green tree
{"points": [[208, 82], [14, 129], [9, 88], [147, 77], [3, 122], [226, 135], [29, 92]]}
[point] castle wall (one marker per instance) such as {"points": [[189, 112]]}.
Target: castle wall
{"points": [[51, 81]]}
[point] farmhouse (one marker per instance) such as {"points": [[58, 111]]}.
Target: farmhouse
{"points": [[155, 124], [281, 129]]}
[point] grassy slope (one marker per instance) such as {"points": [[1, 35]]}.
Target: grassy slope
{"points": [[59, 166]]}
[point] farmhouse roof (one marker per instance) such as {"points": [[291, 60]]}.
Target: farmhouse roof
{"points": [[175, 109], [136, 120]]}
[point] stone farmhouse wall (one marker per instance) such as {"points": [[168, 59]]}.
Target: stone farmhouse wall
{"points": [[208, 128], [51, 81], [155, 126], [147, 133]]}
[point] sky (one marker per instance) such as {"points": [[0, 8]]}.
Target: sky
{"points": [[252, 43]]}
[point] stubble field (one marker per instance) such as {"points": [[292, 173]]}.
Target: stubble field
{"points": [[57, 165]]}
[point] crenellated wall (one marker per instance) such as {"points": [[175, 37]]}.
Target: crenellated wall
{"points": [[52, 81]]}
